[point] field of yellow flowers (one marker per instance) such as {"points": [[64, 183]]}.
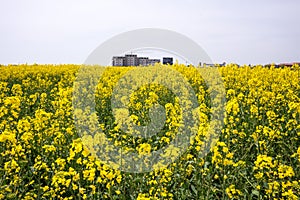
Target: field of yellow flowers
{"points": [[257, 155]]}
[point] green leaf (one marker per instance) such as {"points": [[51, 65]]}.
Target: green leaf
{"points": [[194, 189], [255, 192]]}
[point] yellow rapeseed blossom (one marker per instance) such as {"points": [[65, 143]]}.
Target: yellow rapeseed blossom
{"points": [[255, 153]]}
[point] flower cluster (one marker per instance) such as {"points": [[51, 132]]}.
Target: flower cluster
{"points": [[43, 156]]}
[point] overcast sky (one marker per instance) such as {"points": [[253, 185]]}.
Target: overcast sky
{"points": [[65, 31]]}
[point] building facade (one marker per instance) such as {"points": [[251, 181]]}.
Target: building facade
{"points": [[168, 60], [144, 61], [133, 60], [153, 61], [118, 61]]}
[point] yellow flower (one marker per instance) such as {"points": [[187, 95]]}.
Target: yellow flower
{"points": [[49, 148], [232, 192], [118, 192], [144, 149]]}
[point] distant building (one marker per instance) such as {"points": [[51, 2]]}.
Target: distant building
{"points": [[223, 64], [118, 61], [208, 65], [168, 60], [153, 61], [281, 65], [144, 61], [131, 60]]}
